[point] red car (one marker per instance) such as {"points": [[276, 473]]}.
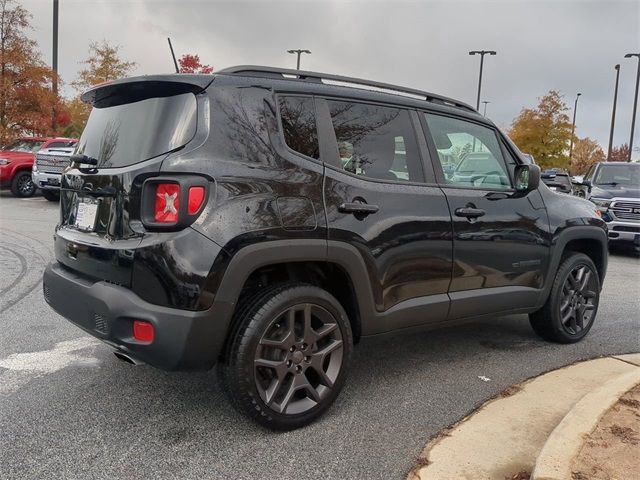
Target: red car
{"points": [[16, 161]]}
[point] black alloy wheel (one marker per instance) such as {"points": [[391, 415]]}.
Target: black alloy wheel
{"points": [[571, 308], [22, 185], [298, 359], [287, 355], [579, 299]]}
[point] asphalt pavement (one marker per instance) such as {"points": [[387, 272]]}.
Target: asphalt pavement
{"points": [[70, 409]]}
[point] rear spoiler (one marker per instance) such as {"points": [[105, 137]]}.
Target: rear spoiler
{"points": [[134, 89]]}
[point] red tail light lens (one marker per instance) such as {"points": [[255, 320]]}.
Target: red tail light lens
{"points": [[196, 197], [167, 203], [143, 331]]}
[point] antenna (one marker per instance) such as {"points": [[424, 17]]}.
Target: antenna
{"points": [[173, 55]]}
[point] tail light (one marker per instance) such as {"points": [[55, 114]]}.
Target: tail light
{"points": [[172, 203], [143, 331]]}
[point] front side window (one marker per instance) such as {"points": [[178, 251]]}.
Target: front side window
{"points": [[469, 153], [299, 125], [376, 142]]}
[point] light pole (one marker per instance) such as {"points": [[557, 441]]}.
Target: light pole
{"points": [[482, 53], [635, 103], [573, 125], [613, 113], [54, 65], [299, 52], [484, 113]]}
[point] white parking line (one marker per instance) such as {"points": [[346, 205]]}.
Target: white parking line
{"points": [[24, 367]]}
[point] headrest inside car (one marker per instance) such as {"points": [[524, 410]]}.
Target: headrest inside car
{"points": [[442, 141]]}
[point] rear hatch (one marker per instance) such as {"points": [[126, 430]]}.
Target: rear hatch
{"points": [[133, 126]]}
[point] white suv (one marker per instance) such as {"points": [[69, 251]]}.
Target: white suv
{"points": [[48, 168]]}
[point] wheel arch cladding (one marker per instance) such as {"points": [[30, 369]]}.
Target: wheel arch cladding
{"points": [[284, 260]]}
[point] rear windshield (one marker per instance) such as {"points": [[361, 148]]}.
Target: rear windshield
{"points": [[125, 134]]}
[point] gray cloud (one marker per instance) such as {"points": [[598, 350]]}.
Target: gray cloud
{"points": [[570, 46]]}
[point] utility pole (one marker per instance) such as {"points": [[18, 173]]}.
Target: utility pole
{"points": [[635, 103], [299, 52], [484, 113], [482, 53], [573, 126], [613, 113], [54, 66]]}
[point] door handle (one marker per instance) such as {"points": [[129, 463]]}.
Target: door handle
{"points": [[358, 208], [469, 212]]}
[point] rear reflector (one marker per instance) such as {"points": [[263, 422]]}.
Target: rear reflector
{"points": [[143, 331], [167, 203], [196, 197]]}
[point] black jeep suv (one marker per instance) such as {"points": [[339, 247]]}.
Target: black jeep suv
{"points": [[265, 220]]}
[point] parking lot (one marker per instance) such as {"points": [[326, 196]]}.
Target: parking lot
{"points": [[70, 409]]}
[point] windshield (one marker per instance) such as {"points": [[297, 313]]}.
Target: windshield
{"points": [[484, 163], [24, 146], [125, 134], [625, 175]]}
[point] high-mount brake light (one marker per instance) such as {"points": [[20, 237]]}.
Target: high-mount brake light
{"points": [[167, 204], [196, 197]]}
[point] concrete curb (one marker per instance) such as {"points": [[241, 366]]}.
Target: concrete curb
{"points": [[564, 443]]}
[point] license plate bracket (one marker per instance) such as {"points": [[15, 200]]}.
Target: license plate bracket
{"points": [[86, 213]]}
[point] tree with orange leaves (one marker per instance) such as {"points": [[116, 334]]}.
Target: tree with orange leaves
{"points": [[191, 64], [103, 65], [26, 98]]}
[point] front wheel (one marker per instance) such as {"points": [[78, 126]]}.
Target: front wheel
{"points": [[22, 185], [571, 308], [288, 355]]}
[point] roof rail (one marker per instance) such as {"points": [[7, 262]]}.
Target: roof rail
{"points": [[289, 74]]}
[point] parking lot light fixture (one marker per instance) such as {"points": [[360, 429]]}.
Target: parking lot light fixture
{"points": [[635, 103], [573, 126], [484, 113], [482, 53], [298, 51]]}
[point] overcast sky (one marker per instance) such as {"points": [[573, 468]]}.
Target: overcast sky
{"points": [[571, 46]]}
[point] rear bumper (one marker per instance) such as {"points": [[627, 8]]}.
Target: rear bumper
{"points": [[46, 180], [184, 340]]}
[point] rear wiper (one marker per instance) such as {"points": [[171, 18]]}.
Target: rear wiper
{"points": [[613, 184], [81, 159]]}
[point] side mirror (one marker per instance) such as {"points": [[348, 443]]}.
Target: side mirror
{"points": [[527, 178], [587, 183]]}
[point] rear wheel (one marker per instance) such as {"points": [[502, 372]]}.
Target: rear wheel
{"points": [[288, 355], [51, 195], [22, 185], [572, 305]]}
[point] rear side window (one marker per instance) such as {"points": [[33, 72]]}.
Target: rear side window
{"points": [[376, 142], [299, 125], [58, 144], [129, 133], [470, 154]]}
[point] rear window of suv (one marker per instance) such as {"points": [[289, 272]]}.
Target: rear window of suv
{"points": [[125, 134]]}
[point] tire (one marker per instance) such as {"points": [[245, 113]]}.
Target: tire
{"points": [[22, 184], [51, 195], [571, 308], [279, 373]]}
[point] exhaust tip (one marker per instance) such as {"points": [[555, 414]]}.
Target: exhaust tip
{"points": [[126, 358]]}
